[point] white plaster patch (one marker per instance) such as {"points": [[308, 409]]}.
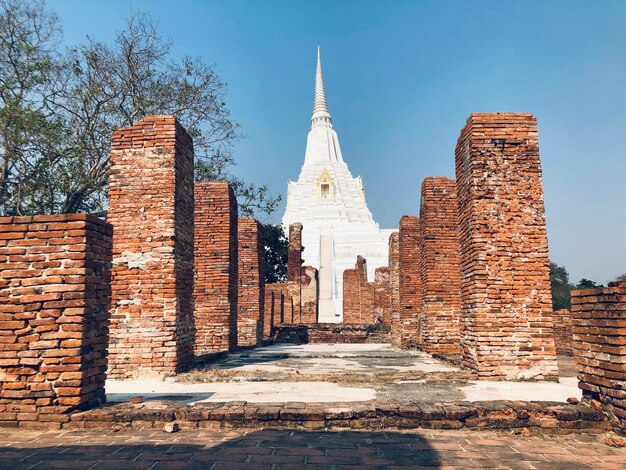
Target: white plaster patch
{"points": [[134, 260]]}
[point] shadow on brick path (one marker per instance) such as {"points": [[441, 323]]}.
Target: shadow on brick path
{"points": [[295, 449], [265, 449]]}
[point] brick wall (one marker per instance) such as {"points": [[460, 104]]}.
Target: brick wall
{"points": [[151, 209], [505, 284], [334, 333], [216, 268], [382, 296], [439, 267], [599, 340], [394, 287], [563, 331], [410, 288], [54, 317], [281, 305], [250, 298]]}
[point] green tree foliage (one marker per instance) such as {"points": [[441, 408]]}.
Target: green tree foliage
{"points": [[587, 284], [561, 287], [621, 278], [276, 250], [59, 109]]}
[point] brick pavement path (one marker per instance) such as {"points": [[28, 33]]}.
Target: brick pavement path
{"points": [[282, 449]]}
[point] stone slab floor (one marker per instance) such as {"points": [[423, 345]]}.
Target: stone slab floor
{"points": [[283, 449], [338, 372]]}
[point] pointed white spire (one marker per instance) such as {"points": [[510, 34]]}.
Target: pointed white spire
{"points": [[320, 108]]}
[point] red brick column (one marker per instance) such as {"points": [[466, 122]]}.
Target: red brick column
{"points": [[216, 269], [439, 267], [505, 283], [394, 287], [251, 286], [599, 333], [55, 294], [382, 295], [351, 296], [151, 210], [410, 285]]}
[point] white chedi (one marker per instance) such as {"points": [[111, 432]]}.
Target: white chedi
{"points": [[330, 204]]}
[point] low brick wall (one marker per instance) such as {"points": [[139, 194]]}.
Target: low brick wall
{"points": [[599, 333], [563, 331], [55, 294], [534, 416], [333, 333]]}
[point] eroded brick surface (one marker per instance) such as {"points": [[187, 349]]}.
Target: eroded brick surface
{"points": [[151, 209], [250, 291], [382, 296], [410, 282], [439, 267], [216, 268], [505, 284], [54, 315], [394, 286], [599, 340]]}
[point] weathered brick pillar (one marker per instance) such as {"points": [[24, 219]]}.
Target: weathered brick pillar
{"points": [[382, 295], [410, 282], [351, 296], [366, 291], [439, 267], [151, 210], [294, 253], [394, 287], [268, 311], [599, 341], [55, 295], [250, 303], [505, 283], [216, 269], [309, 294], [294, 273]]}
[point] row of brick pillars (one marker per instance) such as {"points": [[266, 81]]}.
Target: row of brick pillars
{"points": [[470, 275], [187, 276]]}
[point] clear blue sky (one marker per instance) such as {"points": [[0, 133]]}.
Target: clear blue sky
{"points": [[401, 78]]}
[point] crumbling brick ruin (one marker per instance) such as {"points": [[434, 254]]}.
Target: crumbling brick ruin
{"points": [[55, 295], [358, 295], [410, 282], [505, 284], [216, 268], [382, 296], [152, 325], [299, 296], [439, 267], [394, 287], [251, 287], [599, 330]]}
